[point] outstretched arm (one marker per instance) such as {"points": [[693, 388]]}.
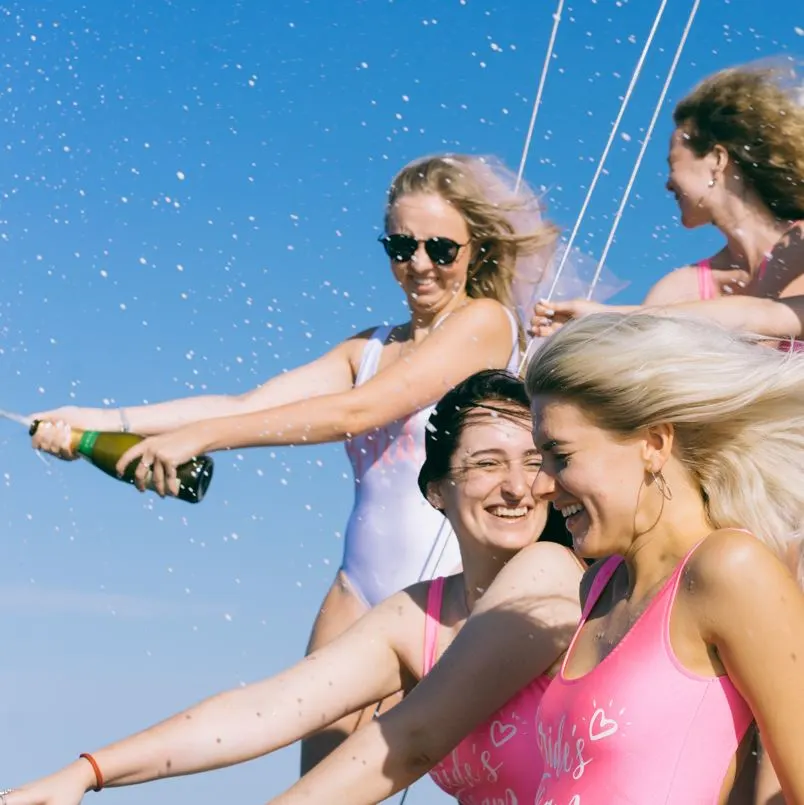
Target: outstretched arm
{"points": [[329, 374], [478, 336], [360, 667], [521, 626], [752, 612], [775, 318]]}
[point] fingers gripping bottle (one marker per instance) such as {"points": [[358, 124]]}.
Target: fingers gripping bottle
{"points": [[103, 450]]}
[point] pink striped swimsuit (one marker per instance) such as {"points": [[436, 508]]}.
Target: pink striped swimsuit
{"points": [[497, 763], [639, 728]]}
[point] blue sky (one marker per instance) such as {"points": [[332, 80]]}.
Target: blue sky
{"points": [[190, 199]]}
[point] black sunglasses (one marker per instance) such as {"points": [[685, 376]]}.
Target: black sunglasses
{"points": [[401, 248]]}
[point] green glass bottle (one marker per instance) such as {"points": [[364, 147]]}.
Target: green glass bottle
{"points": [[104, 448]]}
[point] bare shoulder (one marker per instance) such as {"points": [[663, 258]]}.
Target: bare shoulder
{"points": [[732, 573], [400, 618], [410, 600], [729, 555], [679, 285], [542, 570], [486, 313]]}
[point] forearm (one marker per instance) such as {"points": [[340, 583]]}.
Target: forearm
{"points": [[233, 727], [227, 729], [289, 387], [331, 418], [752, 314], [362, 771], [282, 390], [149, 420], [248, 722]]}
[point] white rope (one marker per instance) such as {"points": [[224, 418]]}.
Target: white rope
{"points": [[605, 154], [538, 101], [523, 161], [648, 134], [445, 528], [601, 162]]}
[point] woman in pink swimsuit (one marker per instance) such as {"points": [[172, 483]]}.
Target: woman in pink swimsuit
{"points": [[737, 163], [675, 451], [479, 471]]}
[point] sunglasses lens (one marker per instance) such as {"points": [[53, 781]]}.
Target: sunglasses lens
{"points": [[442, 251], [400, 248]]}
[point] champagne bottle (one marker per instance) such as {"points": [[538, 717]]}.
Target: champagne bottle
{"points": [[103, 450]]}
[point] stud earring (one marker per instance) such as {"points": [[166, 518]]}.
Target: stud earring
{"points": [[712, 182]]}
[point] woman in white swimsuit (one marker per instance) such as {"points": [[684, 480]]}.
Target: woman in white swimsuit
{"points": [[456, 235]]}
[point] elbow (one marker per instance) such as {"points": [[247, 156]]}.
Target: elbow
{"points": [[412, 753], [246, 403], [353, 417]]}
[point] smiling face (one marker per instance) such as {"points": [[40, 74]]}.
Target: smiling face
{"points": [[690, 181], [429, 287], [488, 495], [592, 476]]}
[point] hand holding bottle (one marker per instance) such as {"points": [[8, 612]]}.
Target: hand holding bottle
{"points": [[160, 456], [115, 453], [54, 435]]}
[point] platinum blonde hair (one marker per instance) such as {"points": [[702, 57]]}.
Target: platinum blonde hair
{"points": [[737, 409]]}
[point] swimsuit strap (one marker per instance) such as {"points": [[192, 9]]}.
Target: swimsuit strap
{"points": [[432, 620]]}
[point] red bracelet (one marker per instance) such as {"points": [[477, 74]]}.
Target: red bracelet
{"points": [[96, 768]]}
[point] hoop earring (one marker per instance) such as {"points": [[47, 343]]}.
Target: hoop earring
{"points": [[661, 484]]}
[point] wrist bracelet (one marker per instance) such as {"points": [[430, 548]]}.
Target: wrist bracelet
{"points": [[125, 425], [96, 768]]}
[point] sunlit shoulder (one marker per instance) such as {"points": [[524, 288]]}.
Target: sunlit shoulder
{"points": [[488, 312], [542, 570], [734, 574], [680, 285]]}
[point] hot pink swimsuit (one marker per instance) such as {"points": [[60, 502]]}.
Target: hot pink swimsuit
{"points": [[707, 289], [498, 762], [706, 281], [639, 728]]}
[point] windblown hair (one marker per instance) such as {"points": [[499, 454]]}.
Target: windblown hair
{"points": [[749, 112], [737, 409], [490, 389], [505, 225]]}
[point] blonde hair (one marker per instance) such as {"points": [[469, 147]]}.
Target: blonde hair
{"points": [[505, 224], [737, 409], [760, 122]]}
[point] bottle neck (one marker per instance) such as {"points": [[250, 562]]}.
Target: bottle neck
{"points": [[82, 441]]}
